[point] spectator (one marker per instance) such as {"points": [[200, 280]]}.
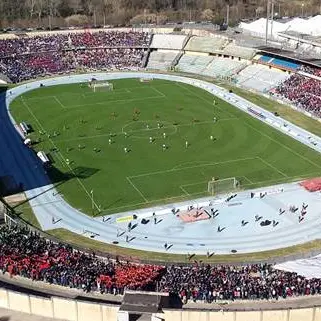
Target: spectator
{"points": [[230, 283], [27, 254], [304, 92], [26, 58]]}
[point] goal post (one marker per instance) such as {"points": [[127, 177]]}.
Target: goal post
{"points": [[101, 86], [220, 186]]}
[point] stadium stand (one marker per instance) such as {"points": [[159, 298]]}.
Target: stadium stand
{"points": [[193, 63], [237, 51], [304, 92], [26, 254], [58, 42], [168, 41], [24, 67], [29, 255], [223, 67], [260, 78], [32, 57], [23, 58], [161, 60], [206, 44]]}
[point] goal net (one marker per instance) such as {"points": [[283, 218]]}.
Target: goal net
{"points": [[101, 86], [225, 185]]}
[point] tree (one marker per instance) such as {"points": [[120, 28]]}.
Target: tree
{"points": [[64, 8], [31, 5], [207, 15], [76, 20]]}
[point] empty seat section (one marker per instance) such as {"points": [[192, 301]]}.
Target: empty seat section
{"points": [[260, 78], [161, 60], [206, 44], [193, 64], [223, 67], [238, 51], [168, 41]]}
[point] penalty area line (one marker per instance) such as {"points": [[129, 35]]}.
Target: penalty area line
{"points": [[59, 102], [137, 189], [290, 179], [271, 166], [184, 190]]}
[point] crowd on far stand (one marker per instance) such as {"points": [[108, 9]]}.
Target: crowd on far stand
{"points": [[29, 255], [68, 41], [303, 91], [31, 57]]}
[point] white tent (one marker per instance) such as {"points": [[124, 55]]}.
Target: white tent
{"points": [[259, 27], [311, 26]]}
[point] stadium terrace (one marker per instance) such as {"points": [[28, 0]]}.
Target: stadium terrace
{"points": [[83, 100]]}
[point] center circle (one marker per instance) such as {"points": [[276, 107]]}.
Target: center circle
{"points": [[149, 128]]}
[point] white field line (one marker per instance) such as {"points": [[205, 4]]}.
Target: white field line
{"points": [[40, 126], [37, 98], [119, 90], [142, 130], [184, 190], [282, 145], [289, 179], [197, 183], [106, 101], [204, 99], [115, 101], [61, 156], [59, 102], [249, 180], [271, 166], [272, 181], [205, 182], [137, 189], [159, 92], [194, 166], [154, 201]]}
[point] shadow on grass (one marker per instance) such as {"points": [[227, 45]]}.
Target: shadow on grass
{"points": [[59, 178]]}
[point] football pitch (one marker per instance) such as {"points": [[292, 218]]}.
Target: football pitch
{"points": [[151, 143]]}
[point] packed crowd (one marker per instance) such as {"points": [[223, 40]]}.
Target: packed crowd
{"points": [[26, 58], [256, 282], [304, 92], [67, 41], [29, 255], [26, 254], [24, 67]]}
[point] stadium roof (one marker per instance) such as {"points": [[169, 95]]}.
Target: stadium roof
{"points": [[291, 55]]}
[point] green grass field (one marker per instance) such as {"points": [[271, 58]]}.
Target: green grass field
{"points": [[81, 122]]}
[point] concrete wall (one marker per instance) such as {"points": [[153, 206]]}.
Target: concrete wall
{"points": [[73, 310], [306, 314], [58, 308]]}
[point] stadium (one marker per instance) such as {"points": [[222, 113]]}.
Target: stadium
{"points": [[161, 173]]}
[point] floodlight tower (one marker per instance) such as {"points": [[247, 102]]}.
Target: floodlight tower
{"points": [[267, 21], [272, 16]]}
